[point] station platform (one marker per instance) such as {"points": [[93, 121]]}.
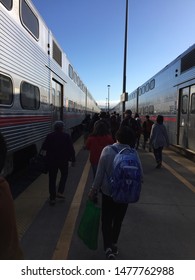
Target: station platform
{"points": [[158, 227]]}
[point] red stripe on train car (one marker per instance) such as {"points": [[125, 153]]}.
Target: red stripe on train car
{"points": [[170, 119], [166, 119], [5, 121]]}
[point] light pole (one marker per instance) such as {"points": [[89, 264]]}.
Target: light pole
{"points": [[125, 59], [108, 96]]}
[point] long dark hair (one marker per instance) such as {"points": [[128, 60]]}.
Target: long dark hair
{"points": [[160, 119], [100, 128], [126, 135]]}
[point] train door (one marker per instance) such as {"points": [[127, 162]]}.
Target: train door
{"points": [[191, 132], [57, 100], [187, 118]]}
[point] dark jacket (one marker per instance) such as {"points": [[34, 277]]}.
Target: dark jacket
{"points": [[59, 148], [131, 123]]}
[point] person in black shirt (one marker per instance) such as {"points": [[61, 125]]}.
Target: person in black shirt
{"points": [[130, 122], [138, 129], [59, 151], [146, 128]]}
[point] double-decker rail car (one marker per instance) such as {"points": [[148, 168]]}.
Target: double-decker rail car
{"points": [[171, 93], [38, 84]]}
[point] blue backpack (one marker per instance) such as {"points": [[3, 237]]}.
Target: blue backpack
{"points": [[125, 179]]}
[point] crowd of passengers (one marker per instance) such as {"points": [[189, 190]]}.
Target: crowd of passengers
{"points": [[100, 132]]}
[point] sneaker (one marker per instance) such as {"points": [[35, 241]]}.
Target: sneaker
{"points": [[114, 249], [109, 254], [52, 202], [60, 195]]}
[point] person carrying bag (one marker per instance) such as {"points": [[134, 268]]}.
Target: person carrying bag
{"points": [[88, 229]]}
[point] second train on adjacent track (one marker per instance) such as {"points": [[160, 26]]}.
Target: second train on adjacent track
{"points": [[171, 93]]}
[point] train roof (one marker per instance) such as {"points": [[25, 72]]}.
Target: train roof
{"points": [[185, 53]]}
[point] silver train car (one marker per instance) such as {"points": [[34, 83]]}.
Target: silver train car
{"points": [[38, 84], [171, 93]]}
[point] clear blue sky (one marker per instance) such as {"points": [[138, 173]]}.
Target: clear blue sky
{"points": [[91, 33]]}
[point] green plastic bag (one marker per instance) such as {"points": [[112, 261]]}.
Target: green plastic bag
{"points": [[89, 225]]}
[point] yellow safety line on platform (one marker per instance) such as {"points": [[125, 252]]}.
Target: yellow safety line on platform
{"points": [[179, 177], [188, 164], [63, 245]]}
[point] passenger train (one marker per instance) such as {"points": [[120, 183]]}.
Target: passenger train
{"points": [[171, 93], [38, 84]]}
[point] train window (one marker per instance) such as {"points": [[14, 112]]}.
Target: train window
{"points": [[84, 89], [151, 109], [192, 103], [75, 77], [57, 98], [81, 85], [6, 90], [147, 87], [184, 105], [53, 97], [70, 71], [188, 61], [29, 20], [152, 84], [78, 81], [7, 3], [57, 54], [29, 96]]}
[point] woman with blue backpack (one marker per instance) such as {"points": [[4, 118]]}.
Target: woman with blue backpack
{"points": [[119, 177]]}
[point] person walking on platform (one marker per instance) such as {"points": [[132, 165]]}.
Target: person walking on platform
{"points": [[114, 125], [85, 124], [104, 117], [138, 130], [94, 118], [146, 128], [59, 151], [159, 139], [112, 213], [130, 122], [9, 242], [97, 140]]}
